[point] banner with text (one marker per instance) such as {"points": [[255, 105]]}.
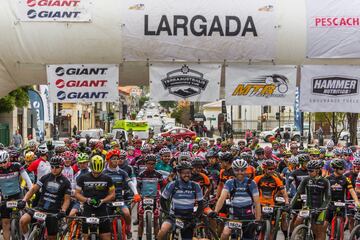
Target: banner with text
{"points": [[204, 29], [193, 82], [53, 10], [83, 83], [48, 106], [333, 29], [260, 85], [330, 88], [37, 109]]}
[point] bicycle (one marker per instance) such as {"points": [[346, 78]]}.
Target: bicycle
{"points": [[337, 226], [203, 230], [304, 231], [14, 219], [355, 233], [38, 229], [148, 205], [236, 227], [118, 223], [278, 217]]}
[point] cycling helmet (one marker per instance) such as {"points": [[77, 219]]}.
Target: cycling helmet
{"points": [[197, 161], [239, 164], [356, 162], [314, 151], [275, 142], [2, 146], [330, 144], [114, 144], [287, 153], [145, 148], [123, 153], [314, 164], [246, 156], [32, 144], [150, 158], [322, 150], [82, 157], [184, 156], [338, 151], [77, 137], [14, 153], [235, 148], [227, 157], [202, 142], [353, 148], [43, 150], [347, 151], [130, 148], [183, 147], [99, 145], [97, 163], [164, 151], [56, 161], [183, 165], [4, 156], [68, 155], [197, 139], [337, 163], [211, 154], [294, 161], [29, 157], [112, 153], [195, 145], [303, 158], [259, 151], [60, 149], [268, 164]]}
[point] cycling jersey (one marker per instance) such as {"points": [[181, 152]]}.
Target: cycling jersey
{"points": [[250, 172], [297, 176], [68, 172], [201, 179], [241, 197], [10, 179], [183, 196], [94, 187], [268, 187], [52, 191], [150, 183], [140, 165], [120, 179], [226, 174], [163, 168], [339, 185], [40, 167]]}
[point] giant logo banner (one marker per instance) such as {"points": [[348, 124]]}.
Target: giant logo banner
{"points": [[333, 29], [53, 10], [260, 85], [201, 29], [330, 88], [193, 82], [37, 109], [83, 83]]}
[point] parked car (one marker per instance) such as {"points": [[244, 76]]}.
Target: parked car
{"points": [[93, 133], [294, 133], [345, 135], [179, 133]]}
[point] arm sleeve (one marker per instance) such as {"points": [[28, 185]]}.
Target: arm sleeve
{"points": [[254, 189], [79, 183], [26, 177], [132, 186], [327, 194], [168, 190]]}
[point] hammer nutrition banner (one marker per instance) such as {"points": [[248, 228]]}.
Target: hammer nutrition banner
{"points": [[208, 30], [330, 88], [83, 83], [333, 29], [260, 85], [193, 82], [53, 10]]}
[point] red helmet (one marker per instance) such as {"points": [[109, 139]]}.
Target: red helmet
{"points": [[68, 155], [99, 145], [268, 164], [114, 152]]}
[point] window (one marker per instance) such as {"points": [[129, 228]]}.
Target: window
{"points": [[173, 131]]}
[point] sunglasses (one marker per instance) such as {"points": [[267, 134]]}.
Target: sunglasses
{"points": [[271, 169], [311, 170], [239, 170], [55, 167], [150, 164]]}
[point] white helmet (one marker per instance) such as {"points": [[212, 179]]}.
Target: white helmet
{"points": [[4, 156], [239, 164], [43, 149]]}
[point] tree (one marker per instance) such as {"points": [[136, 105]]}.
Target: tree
{"points": [[352, 120], [142, 101], [18, 97], [181, 115], [168, 104], [336, 122]]}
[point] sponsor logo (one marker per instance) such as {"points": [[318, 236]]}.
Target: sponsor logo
{"points": [[52, 14], [274, 85], [184, 82], [53, 3], [336, 21], [60, 71], [31, 3], [60, 83], [201, 26], [61, 95], [335, 85]]}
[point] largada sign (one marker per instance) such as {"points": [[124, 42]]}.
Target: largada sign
{"points": [[83, 83]]}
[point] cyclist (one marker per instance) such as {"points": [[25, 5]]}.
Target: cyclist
{"points": [[183, 194], [68, 171], [339, 185], [10, 173], [28, 159], [54, 197], [95, 189], [285, 174], [352, 175], [200, 177], [226, 171], [150, 182], [318, 196], [244, 196], [163, 166]]}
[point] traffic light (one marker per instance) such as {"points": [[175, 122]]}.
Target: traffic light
{"points": [[265, 109], [277, 116]]}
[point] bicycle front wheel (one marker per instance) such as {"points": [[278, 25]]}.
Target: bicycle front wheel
{"points": [[15, 230], [148, 221], [355, 233], [300, 233], [35, 233]]}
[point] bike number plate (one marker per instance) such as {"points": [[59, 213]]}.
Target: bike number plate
{"points": [[303, 197], [11, 204], [235, 225], [280, 199], [148, 201], [40, 216], [267, 209], [92, 220], [304, 213], [179, 223], [118, 204], [339, 204]]}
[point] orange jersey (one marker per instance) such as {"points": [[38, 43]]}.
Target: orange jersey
{"points": [[268, 187], [250, 171]]}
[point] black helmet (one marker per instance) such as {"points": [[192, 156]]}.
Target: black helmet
{"points": [[228, 157], [150, 158], [314, 164], [197, 161], [211, 154], [56, 161], [2, 146], [183, 165], [303, 158], [337, 163], [246, 156], [259, 151]]}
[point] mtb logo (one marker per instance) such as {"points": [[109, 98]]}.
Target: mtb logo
{"points": [[274, 85], [184, 82], [335, 85]]}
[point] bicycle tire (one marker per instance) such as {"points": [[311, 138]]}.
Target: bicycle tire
{"points": [[297, 231], [267, 230], [119, 229], [35, 233], [93, 236], [339, 229], [14, 227], [148, 219], [277, 224], [355, 233]]}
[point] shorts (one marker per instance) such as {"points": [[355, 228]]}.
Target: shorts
{"points": [[104, 226], [249, 228], [156, 207], [51, 222], [186, 233], [6, 212]]}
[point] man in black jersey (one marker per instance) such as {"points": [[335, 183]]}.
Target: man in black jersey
{"points": [[54, 198]]}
